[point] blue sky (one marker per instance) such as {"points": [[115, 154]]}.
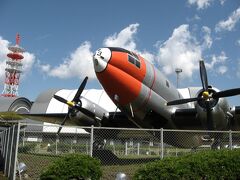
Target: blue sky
{"points": [[60, 36]]}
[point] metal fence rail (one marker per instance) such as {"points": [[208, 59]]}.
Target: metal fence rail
{"points": [[119, 149]]}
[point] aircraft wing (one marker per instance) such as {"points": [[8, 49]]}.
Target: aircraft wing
{"points": [[55, 118], [186, 118], [47, 109], [13, 117], [118, 119]]}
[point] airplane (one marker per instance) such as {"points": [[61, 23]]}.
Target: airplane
{"points": [[147, 99]]}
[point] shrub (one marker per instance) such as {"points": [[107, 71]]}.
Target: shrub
{"points": [[73, 166], [223, 164]]}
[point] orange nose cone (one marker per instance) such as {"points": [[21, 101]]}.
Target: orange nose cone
{"points": [[117, 82], [121, 78]]}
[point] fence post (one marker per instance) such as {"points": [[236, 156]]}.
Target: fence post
{"points": [[8, 151], [16, 152], [91, 141], [230, 139], [2, 141], [4, 144], [138, 148], [56, 142], [126, 148], [11, 150], [161, 143]]}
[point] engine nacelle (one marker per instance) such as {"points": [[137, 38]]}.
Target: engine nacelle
{"points": [[235, 123], [218, 108], [84, 120]]}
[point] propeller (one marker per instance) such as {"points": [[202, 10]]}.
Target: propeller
{"points": [[206, 96], [203, 75], [181, 101], [75, 104], [227, 93]]}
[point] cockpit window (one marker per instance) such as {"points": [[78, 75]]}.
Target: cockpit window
{"points": [[133, 58], [119, 49]]}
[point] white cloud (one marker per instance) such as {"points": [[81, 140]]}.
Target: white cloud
{"points": [[181, 50], [201, 4], [147, 55], [3, 56], [207, 37], [217, 63], [79, 64], [44, 67], [124, 38], [28, 60], [194, 18], [222, 2], [220, 59], [230, 23], [222, 69], [238, 42]]}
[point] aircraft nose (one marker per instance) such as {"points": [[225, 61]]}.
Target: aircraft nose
{"points": [[101, 59]]}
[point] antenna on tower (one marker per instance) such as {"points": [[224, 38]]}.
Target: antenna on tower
{"points": [[17, 39], [13, 69]]}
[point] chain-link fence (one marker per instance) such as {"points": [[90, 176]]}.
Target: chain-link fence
{"points": [[120, 150]]}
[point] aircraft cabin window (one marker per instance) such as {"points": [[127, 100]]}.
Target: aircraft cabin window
{"points": [[134, 60], [167, 83]]}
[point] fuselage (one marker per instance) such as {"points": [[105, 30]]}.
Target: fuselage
{"points": [[142, 91]]}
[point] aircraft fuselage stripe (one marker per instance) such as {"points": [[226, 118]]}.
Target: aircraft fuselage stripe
{"points": [[150, 90]]}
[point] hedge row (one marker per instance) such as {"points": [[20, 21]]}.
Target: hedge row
{"points": [[221, 164], [73, 166]]}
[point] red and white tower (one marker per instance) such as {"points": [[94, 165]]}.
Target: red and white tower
{"points": [[13, 69]]}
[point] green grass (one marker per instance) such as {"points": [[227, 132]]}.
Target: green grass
{"points": [[2, 177]]}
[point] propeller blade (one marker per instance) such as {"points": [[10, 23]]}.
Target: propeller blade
{"points": [[80, 90], [69, 103], [63, 122], [226, 93], [73, 104], [203, 75], [60, 99], [182, 101]]}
